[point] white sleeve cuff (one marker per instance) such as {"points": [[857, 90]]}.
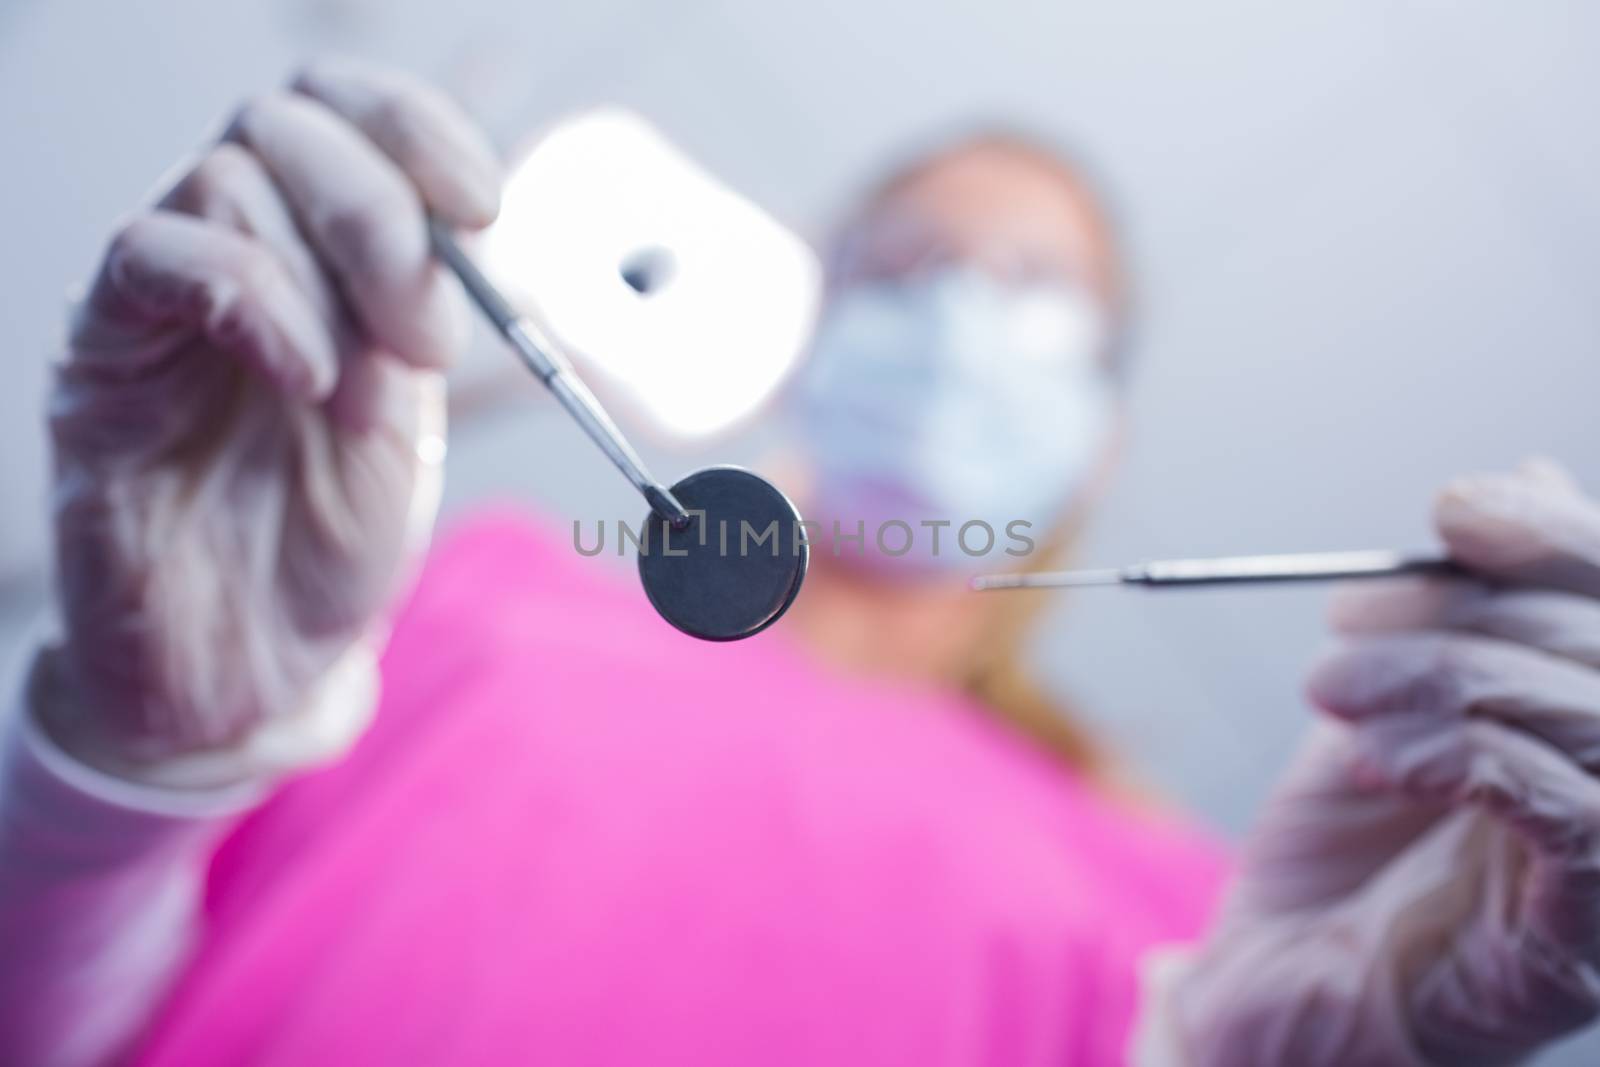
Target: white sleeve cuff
{"points": [[335, 714], [45, 769]]}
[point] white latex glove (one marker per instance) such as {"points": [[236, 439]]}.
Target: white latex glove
{"points": [[1425, 885], [247, 429]]}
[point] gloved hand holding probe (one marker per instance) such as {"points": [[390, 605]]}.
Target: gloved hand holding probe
{"points": [[1425, 886]]}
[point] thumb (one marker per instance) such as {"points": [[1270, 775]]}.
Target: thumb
{"points": [[1532, 526]]}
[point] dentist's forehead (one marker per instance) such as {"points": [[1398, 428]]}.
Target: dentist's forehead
{"points": [[997, 192]]}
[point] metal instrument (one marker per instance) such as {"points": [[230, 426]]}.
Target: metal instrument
{"points": [[1233, 570], [691, 575]]}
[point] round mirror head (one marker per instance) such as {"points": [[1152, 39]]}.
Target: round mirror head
{"points": [[736, 567]]}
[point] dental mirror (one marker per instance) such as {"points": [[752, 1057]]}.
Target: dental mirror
{"points": [[724, 553], [736, 567]]}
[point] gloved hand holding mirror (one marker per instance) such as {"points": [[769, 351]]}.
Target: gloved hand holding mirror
{"points": [[248, 428], [282, 306]]}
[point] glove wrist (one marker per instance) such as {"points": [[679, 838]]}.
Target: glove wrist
{"points": [[336, 711]]}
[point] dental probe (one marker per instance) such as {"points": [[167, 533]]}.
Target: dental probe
{"points": [[1234, 570], [553, 369]]}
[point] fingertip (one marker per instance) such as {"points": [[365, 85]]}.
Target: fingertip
{"points": [[467, 200], [1328, 679], [1456, 501], [1347, 608], [304, 355], [1402, 603], [1491, 521], [481, 206], [426, 133], [1352, 608], [468, 193], [300, 357], [322, 379], [1515, 497], [1380, 674], [319, 69], [440, 324], [1547, 471]]}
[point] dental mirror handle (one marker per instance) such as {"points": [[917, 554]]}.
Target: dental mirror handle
{"points": [[1235, 570], [553, 369]]}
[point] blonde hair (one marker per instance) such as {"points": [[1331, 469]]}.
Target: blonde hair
{"points": [[996, 675]]}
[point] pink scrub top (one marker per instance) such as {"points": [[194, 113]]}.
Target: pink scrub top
{"points": [[575, 836]]}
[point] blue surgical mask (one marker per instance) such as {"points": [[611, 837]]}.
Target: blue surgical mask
{"points": [[952, 396]]}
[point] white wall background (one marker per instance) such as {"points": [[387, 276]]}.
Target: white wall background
{"points": [[1368, 233]]}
